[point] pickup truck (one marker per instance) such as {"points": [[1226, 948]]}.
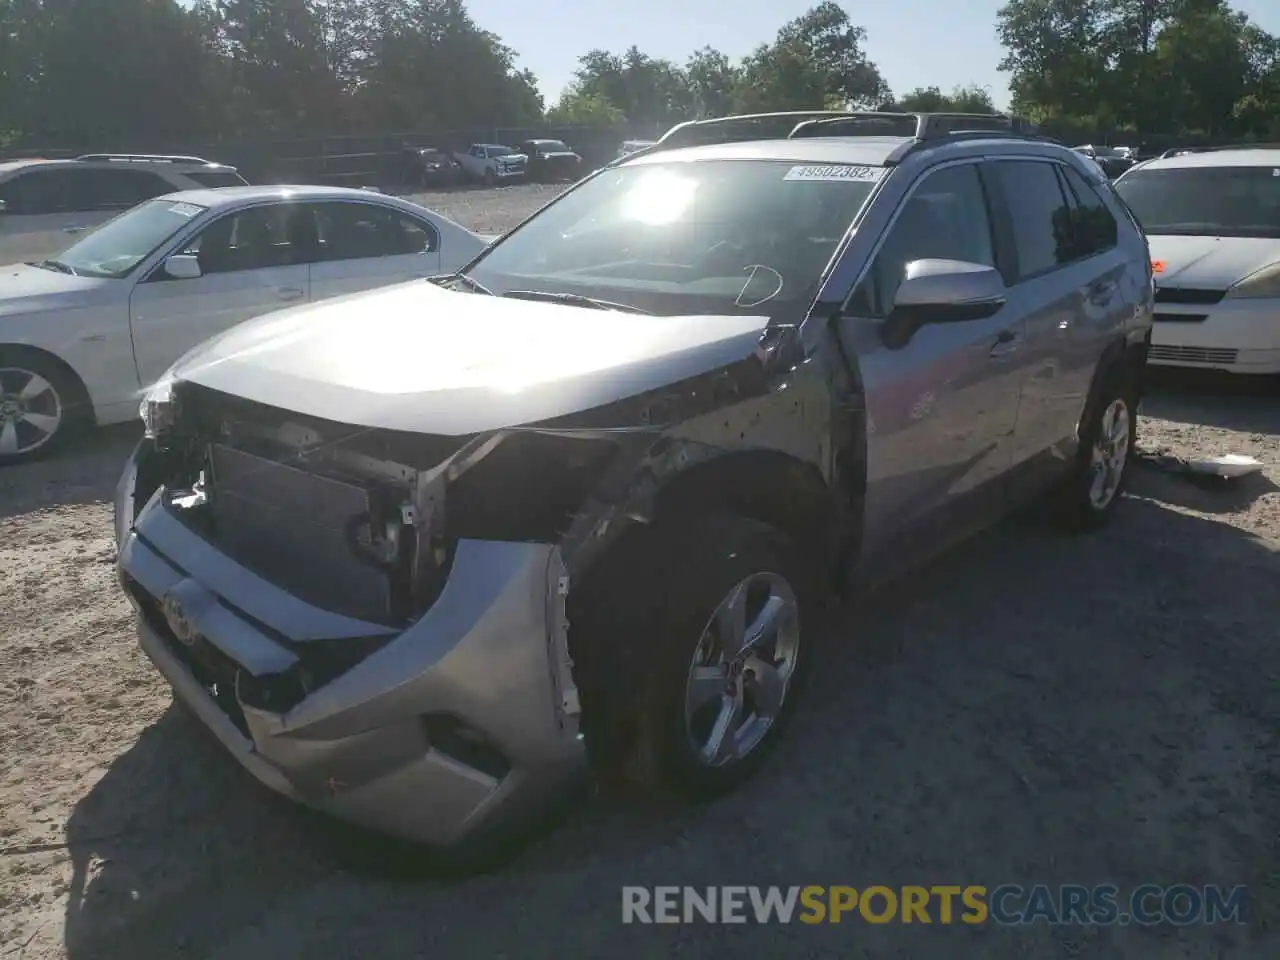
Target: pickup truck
{"points": [[492, 162]]}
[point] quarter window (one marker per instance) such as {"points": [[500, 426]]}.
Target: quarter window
{"points": [[1043, 227], [945, 217]]}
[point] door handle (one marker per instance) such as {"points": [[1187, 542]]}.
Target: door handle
{"points": [[1102, 291], [291, 293], [1007, 342], [74, 229]]}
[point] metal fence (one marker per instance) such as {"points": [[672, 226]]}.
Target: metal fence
{"points": [[374, 159], [358, 160]]}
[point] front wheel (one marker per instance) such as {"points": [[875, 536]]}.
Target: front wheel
{"points": [[39, 405], [1108, 434], [730, 658]]}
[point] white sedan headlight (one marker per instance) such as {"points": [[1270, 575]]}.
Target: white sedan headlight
{"points": [[1260, 285], [158, 409]]}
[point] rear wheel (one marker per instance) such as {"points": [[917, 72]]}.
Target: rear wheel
{"points": [[40, 405], [1108, 434]]}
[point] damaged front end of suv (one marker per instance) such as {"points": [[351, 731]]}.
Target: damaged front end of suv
{"points": [[397, 627], [414, 555]]}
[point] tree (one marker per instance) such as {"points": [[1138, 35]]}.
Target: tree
{"points": [[579, 109], [1055, 53], [816, 60], [712, 79], [971, 99], [642, 88], [1173, 66]]}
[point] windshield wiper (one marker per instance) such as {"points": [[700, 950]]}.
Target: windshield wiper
{"points": [[55, 265], [449, 278], [574, 299]]}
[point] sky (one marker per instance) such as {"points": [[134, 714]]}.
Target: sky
{"points": [[915, 43]]}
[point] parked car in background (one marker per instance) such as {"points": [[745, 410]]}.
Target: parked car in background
{"points": [[551, 160], [45, 203], [628, 147], [587, 498], [493, 163], [82, 331], [1110, 159], [1212, 218], [428, 167]]}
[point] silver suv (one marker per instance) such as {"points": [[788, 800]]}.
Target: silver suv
{"points": [[44, 203], [423, 557]]}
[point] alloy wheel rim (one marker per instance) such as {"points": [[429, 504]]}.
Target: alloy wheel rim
{"points": [[1109, 455], [30, 411], [742, 669]]}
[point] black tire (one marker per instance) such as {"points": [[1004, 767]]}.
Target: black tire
{"points": [[23, 370], [1116, 392], [694, 571]]}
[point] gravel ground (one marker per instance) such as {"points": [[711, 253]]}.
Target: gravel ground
{"points": [[1031, 709]]}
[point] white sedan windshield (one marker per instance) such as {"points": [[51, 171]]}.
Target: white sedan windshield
{"points": [[1228, 201], [712, 236], [120, 244]]}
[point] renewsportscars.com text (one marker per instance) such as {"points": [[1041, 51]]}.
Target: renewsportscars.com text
{"points": [[1005, 905]]}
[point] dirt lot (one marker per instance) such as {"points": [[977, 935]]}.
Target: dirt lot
{"points": [[1032, 709]]}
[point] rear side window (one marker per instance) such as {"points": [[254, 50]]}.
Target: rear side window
{"points": [[1094, 226], [356, 231], [217, 178], [1043, 231], [121, 189], [44, 191]]}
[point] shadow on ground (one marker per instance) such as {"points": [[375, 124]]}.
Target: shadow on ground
{"points": [[1232, 402], [86, 473], [1033, 709]]}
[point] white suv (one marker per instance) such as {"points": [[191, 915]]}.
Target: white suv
{"points": [[1212, 219], [45, 203]]}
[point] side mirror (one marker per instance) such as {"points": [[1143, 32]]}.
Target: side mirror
{"points": [[183, 266], [941, 291], [4, 206]]}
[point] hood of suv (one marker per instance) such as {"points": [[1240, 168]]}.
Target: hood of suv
{"points": [[419, 358], [1210, 263]]}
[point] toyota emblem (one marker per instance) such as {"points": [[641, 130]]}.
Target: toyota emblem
{"points": [[177, 620]]}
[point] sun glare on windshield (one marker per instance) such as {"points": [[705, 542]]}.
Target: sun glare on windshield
{"points": [[660, 197]]}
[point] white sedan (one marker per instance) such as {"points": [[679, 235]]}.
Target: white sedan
{"points": [[82, 333], [1212, 221]]}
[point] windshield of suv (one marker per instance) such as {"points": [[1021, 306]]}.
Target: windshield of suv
{"points": [[550, 146], [1205, 201], [680, 238], [119, 245]]}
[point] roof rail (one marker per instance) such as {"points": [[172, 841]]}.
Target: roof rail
{"points": [[736, 128], [917, 126], [146, 157], [1243, 146]]}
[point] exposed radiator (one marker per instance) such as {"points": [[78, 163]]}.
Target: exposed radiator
{"points": [[296, 529]]}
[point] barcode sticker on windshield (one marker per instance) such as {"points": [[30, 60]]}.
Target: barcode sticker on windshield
{"points": [[836, 172], [184, 209]]}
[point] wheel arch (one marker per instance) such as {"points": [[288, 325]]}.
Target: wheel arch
{"points": [[83, 398], [770, 486], [1124, 356]]}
